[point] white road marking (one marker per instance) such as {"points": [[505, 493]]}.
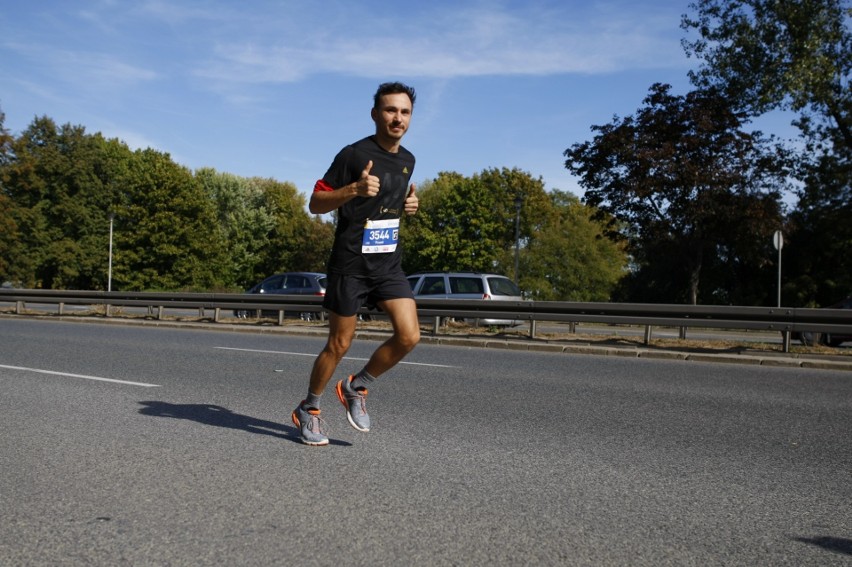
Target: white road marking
{"points": [[84, 376], [315, 354]]}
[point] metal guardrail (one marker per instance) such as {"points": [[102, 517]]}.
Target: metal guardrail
{"points": [[782, 319]]}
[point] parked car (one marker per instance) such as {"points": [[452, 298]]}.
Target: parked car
{"points": [[289, 283], [812, 338], [467, 285]]}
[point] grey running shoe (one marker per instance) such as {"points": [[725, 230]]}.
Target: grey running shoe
{"points": [[310, 425], [355, 402]]}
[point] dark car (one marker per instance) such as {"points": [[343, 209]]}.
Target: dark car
{"points": [[811, 338], [289, 283]]}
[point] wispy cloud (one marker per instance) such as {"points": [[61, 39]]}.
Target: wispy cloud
{"points": [[83, 67], [453, 42]]}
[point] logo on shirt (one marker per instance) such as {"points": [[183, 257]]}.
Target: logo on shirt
{"points": [[405, 169]]}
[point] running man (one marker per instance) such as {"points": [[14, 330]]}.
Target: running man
{"points": [[368, 185]]}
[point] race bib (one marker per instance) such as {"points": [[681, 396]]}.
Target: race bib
{"points": [[380, 236]]}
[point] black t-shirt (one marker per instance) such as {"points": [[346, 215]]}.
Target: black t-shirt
{"points": [[394, 172]]}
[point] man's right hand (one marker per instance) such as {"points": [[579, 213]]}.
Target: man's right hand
{"points": [[368, 185]]}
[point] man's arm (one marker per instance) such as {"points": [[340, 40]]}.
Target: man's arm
{"points": [[324, 201]]}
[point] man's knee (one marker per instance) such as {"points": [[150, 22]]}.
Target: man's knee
{"points": [[338, 345], [408, 338]]}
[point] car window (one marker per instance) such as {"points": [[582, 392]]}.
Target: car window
{"points": [[412, 281], [433, 285], [272, 284], [323, 281], [465, 284], [296, 282], [503, 286]]}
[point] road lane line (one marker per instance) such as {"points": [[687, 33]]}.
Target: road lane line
{"points": [[84, 376], [315, 354]]}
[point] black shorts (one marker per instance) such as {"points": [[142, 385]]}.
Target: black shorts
{"points": [[345, 294]]}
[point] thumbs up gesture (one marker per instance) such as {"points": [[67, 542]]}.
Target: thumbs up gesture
{"points": [[411, 201], [368, 185]]}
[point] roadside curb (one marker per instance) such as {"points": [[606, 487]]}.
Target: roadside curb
{"points": [[747, 356]]}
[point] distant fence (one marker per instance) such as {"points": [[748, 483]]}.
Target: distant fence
{"points": [[785, 320]]}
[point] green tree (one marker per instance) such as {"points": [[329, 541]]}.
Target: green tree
{"points": [[166, 235], [296, 241], [794, 55], [455, 228], [57, 183], [265, 226], [569, 258], [678, 181], [244, 221], [469, 223], [315, 241], [818, 254], [8, 227], [766, 54]]}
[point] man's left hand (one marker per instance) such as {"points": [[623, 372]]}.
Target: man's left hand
{"points": [[411, 202]]}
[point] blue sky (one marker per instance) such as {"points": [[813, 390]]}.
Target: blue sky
{"points": [[276, 88]]}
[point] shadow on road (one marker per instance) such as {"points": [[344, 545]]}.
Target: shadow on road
{"points": [[836, 544], [223, 417]]}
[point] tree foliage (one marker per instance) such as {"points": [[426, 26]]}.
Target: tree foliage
{"points": [[682, 181], [796, 55], [766, 54], [818, 263], [569, 257], [173, 229], [8, 227], [56, 181], [167, 236], [470, 224]]}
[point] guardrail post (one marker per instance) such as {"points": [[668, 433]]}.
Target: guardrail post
{"points": [[19, 307], [201, 313], [281, 318], [437, 329], [216, 314], [647, 335], [160, 310], [786, 341], [572, 327], [532, 328], [61, 308], [682, 333], [107, 307]]}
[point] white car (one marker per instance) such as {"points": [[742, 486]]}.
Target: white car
{"points": [[467, 285]]}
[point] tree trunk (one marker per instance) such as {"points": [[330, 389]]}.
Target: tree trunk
{"points": [[695, 275]]}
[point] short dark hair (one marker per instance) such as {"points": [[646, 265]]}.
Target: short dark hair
{"points": [[393, 88]]}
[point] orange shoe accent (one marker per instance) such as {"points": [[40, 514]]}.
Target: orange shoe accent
{"points": [[339, 389]]}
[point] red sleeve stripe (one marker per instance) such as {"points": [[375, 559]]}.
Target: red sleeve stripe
{"points": [[322, 186]]}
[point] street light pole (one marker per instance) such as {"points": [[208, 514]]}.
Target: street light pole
{"points": [[109, 269], [518, 202], [778, 242]]}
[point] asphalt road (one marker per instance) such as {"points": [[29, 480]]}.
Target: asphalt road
{"points": [[124, 445]]}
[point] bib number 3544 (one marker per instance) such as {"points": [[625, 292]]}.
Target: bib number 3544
{"points": [[380, 236]]}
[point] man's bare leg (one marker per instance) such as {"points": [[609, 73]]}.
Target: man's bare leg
{"points": [[306, 416], [352, 392], [340, 332], [406, 335]]}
